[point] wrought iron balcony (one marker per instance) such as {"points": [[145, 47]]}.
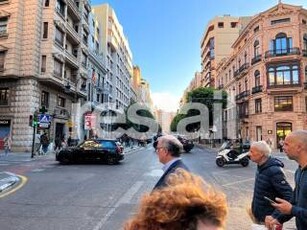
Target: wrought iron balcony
{"points": [[282, 52], [242, 94], [257, 89], [256, 59]]}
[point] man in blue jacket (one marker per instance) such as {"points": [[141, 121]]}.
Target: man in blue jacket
{"points": [[270, 181], [295, 146], [168, 150]]}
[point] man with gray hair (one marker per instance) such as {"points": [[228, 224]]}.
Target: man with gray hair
{"points": [[168, 150], [270, 182], [295, 147]]}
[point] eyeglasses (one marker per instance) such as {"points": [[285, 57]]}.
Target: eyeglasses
{"points": [[157, 149]]}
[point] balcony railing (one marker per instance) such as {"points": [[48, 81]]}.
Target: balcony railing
{"points": [[282, 52], [241, 69], [257, 89], [256, 59], [242, 94]]}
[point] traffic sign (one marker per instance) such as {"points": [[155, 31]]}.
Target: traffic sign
{"points": [[44, 118]]}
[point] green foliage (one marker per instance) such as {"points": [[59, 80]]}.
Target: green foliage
{"points": [[204, 95]]}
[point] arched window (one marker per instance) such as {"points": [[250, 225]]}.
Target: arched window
{"points": [[256, 48], [257, 78], [306, 73], [281, 44]]}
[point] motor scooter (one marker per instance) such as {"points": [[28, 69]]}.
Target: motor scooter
{"points": [[229, 155]]}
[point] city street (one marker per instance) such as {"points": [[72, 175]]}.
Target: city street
{"points": [[98, 196]]}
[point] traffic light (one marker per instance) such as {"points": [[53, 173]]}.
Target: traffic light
{"points": [[35, 121], [31, 120]]}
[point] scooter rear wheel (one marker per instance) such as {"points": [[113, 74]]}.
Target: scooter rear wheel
{"points": [[220, 162], [244, 162]]}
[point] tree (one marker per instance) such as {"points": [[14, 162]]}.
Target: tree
{"points": [[203, 95]]}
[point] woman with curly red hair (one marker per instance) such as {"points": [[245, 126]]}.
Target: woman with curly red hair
{"points": [[187, 203]]}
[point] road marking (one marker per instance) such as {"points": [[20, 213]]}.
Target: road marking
{"points": [[126, 198], [22, 183], [238, 182]]}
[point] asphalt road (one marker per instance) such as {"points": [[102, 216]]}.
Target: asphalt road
{"points": [[102, 197]]}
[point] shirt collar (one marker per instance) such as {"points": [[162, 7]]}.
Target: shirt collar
{"points": [[168, 164]]}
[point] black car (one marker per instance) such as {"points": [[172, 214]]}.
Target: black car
{"points": [[94, 149], [187, 144]]}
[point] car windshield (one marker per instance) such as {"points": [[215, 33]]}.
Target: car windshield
{"points": [[106, 143]]}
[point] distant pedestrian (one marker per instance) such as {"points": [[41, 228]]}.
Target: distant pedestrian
{"points": [[281, 144], [7, 144], [270, 182], [44, 142]]}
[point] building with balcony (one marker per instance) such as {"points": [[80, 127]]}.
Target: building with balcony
{"points": [[216, 44], [42, 65], [115, 47], [265, 76]]}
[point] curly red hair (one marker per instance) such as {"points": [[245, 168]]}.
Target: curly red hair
{"points": [[186, 200]]}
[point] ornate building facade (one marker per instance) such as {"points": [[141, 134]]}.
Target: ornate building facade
{"points": [[265, 76]]}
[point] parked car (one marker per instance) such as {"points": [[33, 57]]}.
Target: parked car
{"points": [[93, 149]]}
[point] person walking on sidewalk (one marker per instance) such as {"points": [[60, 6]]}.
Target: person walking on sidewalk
{"points": [[168, 150], [295, 147], [270, 182], [45, 143], [7, 144]]}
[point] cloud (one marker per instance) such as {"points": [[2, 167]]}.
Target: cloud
{"points": [[166, 101]]}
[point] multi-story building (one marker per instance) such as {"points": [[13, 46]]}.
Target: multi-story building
{"points": [[115, 46], [265, 76], [42, 50], [216, 43]]}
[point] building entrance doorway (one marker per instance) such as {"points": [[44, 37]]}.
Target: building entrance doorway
{"points": [[282, 130]]}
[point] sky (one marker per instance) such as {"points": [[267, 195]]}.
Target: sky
{"points": [[164, 37]]}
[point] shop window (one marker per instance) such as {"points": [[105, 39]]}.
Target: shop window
{"points": [[283, 103]]}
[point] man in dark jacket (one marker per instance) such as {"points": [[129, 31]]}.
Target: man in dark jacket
{"points": [[295, 146], [168, 150], [270, 181]]}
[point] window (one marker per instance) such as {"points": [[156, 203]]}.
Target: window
{"points": [[60, 7], [304, 21], [220, 25], [233, 24], [45, 99], [2, 58], [305, 42], [283, 103], [306, 103], [4, 96], [61, 101], [283, 75], [256, 29], [256, 48], [46, 3], [258, 105], [281, 44], [58, 68], [45, 30], [283, 20], [43, 65], [3, 26], [59, 37], [257, 78]]}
